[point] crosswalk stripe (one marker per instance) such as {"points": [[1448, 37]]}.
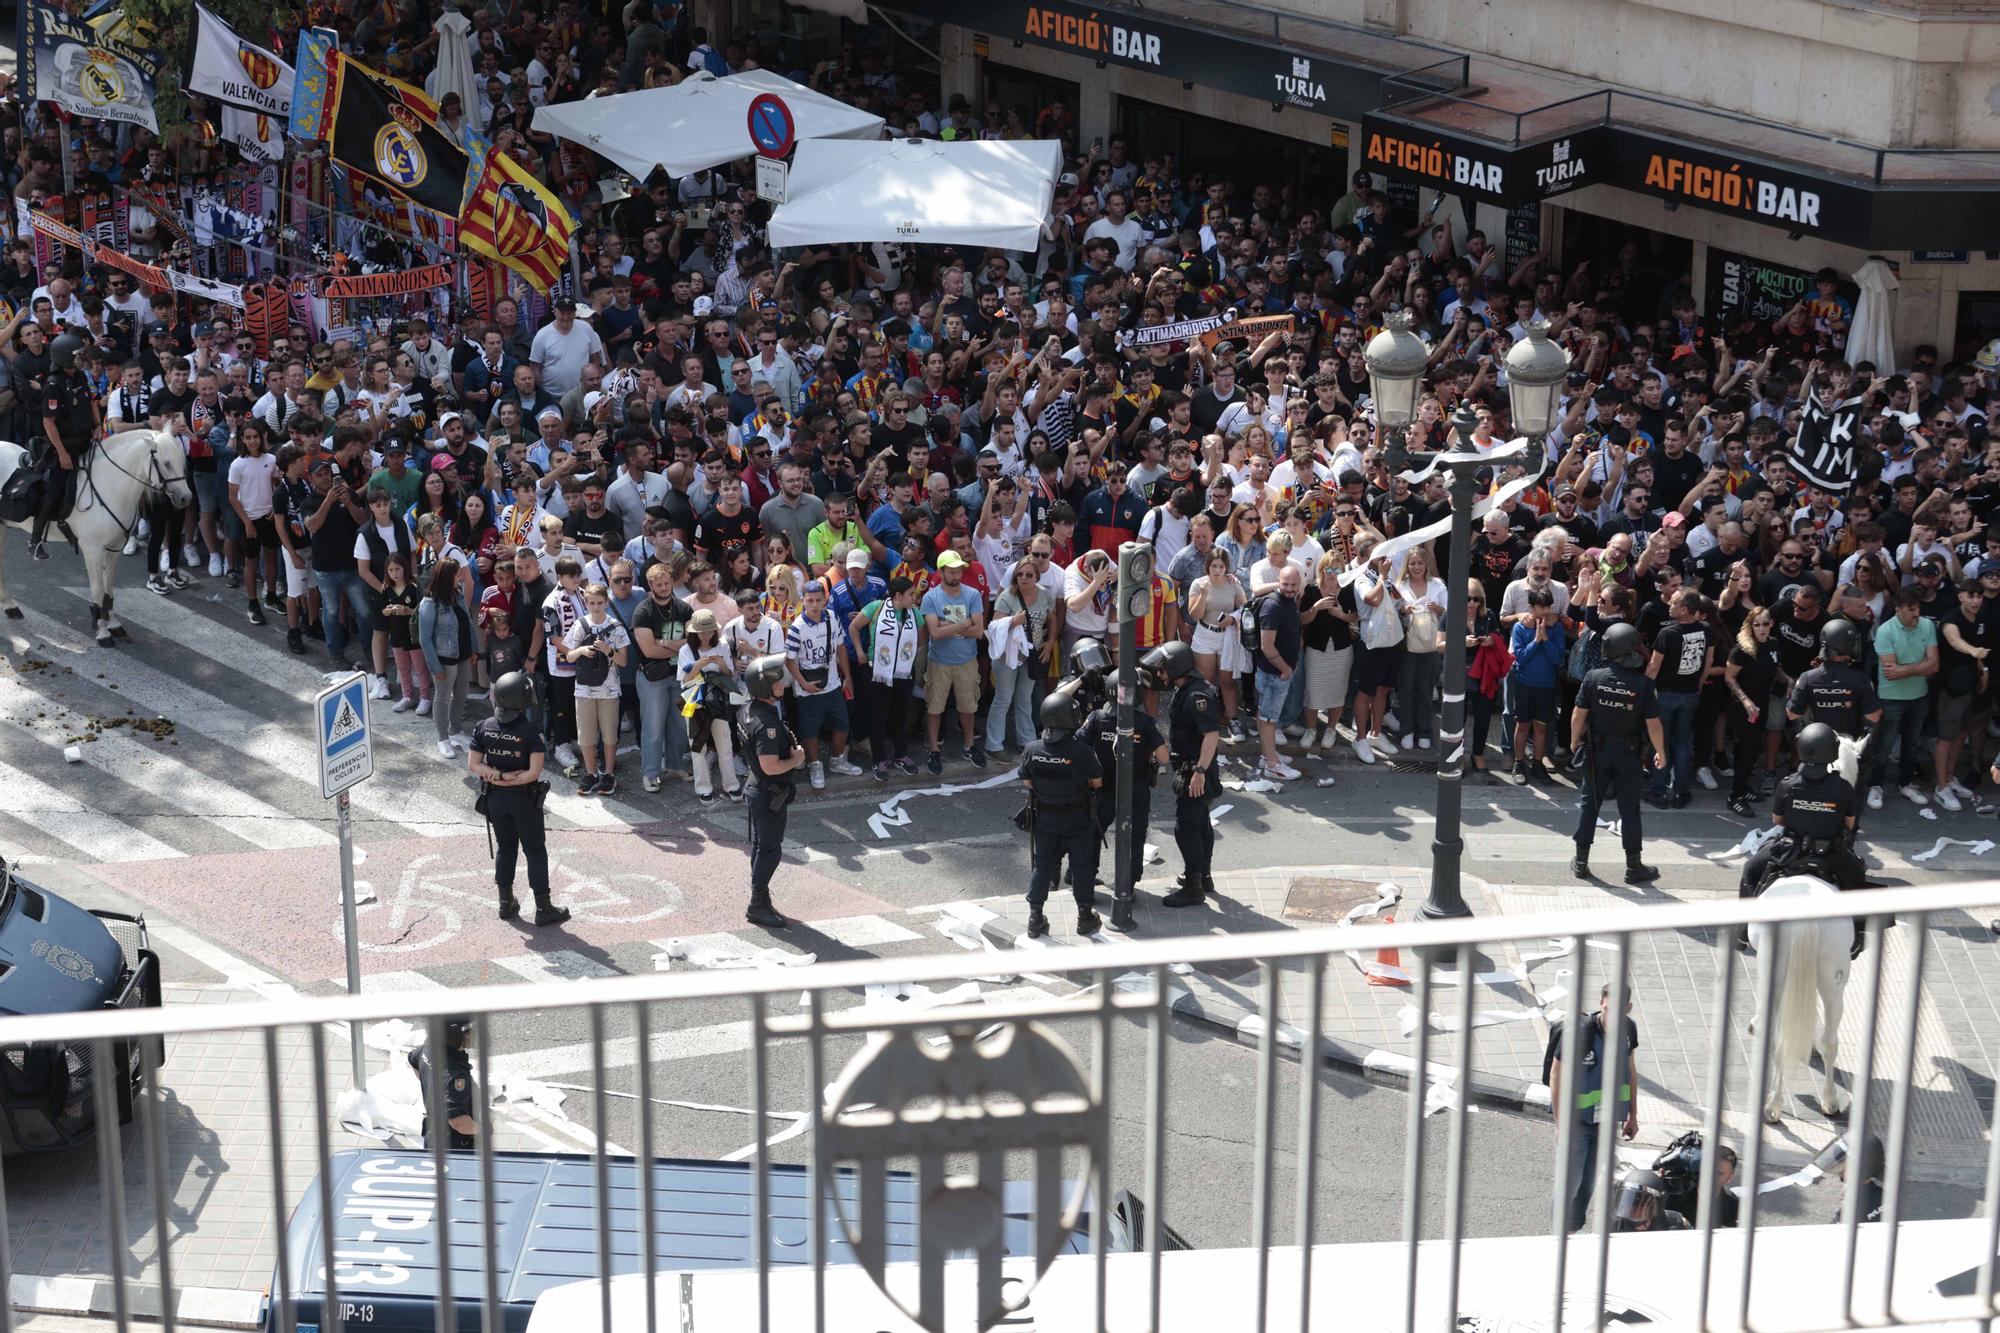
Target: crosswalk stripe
{"points": [[97, 835], [399, 981], [302, 680], [620, 1052], [864, 932], [556, 965], [152, 770], [204, 714]]}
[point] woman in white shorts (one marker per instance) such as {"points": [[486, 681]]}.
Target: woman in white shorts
{"points": [[1215, 606]]}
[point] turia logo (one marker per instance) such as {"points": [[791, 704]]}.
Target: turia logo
{"points": [[1300, 88], [1563, 168]]}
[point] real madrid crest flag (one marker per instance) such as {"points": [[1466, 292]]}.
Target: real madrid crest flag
{"points": [[388, 132], [86, 73]]}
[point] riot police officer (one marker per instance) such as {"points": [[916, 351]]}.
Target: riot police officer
{"points": [[1836, 692], [1149, 751], [506, 755], [775, 756], [1616, 712], [70, 421], [1090, 667], [460, 1117], [1816, 808], [1061, 772], [1194, 731]]}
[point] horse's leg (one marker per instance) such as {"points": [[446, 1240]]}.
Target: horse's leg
{"points": [[7, 604], [96, 564], [1776, 953], [1833, 972], [110, 584]]}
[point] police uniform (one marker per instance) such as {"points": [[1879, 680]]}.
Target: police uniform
{"points": [[1100, 732], [1058, 770], [514, 813], [1194, 714], [770, 796], [458, 1093], [1837, 694], [1815, 838], [68, 401], [1620, 700]]}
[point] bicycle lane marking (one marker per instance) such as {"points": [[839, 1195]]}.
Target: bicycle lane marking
{"points": [[436, 900]]}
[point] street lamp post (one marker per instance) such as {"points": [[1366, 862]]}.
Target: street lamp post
{"points": [[1397, 359]]}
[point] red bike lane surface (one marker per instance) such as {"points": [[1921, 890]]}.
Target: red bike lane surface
{"points": [[435, 900]]}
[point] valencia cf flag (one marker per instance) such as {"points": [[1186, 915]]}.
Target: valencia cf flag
{"points": [[388, 132], [514, 218]]}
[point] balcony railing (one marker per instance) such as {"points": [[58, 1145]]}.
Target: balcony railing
{"points": [[971, 1097]]}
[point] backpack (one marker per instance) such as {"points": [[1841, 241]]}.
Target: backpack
{"points": [[1247, 626], [1553, 1051], [595, 669]]}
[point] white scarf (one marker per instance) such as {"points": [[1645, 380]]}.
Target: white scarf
{"points": [[894, 654]]}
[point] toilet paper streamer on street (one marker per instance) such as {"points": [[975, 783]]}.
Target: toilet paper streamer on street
{"points": [[392, 1104]]}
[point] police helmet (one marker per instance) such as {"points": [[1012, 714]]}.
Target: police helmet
{"points": [[1622, 645], [1818, 745], [1089, 657], [1170, 661], [1639, 1195], [764, 675], [456, 1029], [1839, 639], [62, 352], [1058, 713], [1679, 1163], [513, 694]]}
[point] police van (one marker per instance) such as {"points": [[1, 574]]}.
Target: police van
{"points": [[58, 958], [385, 1259]]}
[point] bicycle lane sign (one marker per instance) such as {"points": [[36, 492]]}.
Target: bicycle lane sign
{"points": [[346, 748]]}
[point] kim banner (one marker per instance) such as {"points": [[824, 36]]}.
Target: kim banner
{"points": [[66, 61], [235, 72], [1823, 452]]}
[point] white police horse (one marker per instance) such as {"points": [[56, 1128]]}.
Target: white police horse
{"points": [[126, 470], [1812, 963]]}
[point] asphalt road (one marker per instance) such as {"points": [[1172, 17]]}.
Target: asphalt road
{"points": [[216, 830]]}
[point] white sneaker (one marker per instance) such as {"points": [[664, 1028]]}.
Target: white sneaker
{"points": [[461, 740], [1960, 790], [1363, 751], [190, 554], [1874, 798], [816, 772], [215, 565], [1706, 777], [380, 689], [1423, 742], [424, 708], [1914, 794], [132, 543], [1330, 740], [1282, 772], [650, 784], [445, 752], [1389, 722], [1409, 742], [404, 704], [844, 766], [567, 755], [1295, 732], [1948, 799], [1383, 744]]}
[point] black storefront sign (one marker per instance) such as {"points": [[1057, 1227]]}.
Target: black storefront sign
{"points": [[1740, 186], [1308, 81], [1741, 288], [1475, 169]]}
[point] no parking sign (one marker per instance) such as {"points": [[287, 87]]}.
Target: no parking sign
{"points": [[772, 129]]}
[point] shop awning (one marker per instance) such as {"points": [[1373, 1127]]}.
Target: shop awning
{"points": [[974, 193], [699, 122]]}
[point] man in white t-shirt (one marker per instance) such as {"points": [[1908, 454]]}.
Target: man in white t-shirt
{"points": [[253, 480], [562, 348], [1116, 227]]}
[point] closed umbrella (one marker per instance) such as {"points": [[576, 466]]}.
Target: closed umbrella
{"points": [[454, 73], [1872, 335]]}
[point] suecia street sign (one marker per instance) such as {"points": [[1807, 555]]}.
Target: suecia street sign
{"points": [[772, 175], [340, 728]]}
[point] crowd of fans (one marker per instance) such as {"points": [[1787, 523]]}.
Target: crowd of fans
{"points": [[909, 470]]}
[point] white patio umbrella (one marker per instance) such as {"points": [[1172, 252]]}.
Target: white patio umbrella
{"points": [[1872, 335]]}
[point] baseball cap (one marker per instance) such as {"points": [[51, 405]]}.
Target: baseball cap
{"points": [[446, 418], [394, 445], [951, 560], [441, 462], [159, 330], [320, 465], [1565, 491], [858, 559], [592, 399], [702, 622], [203, 329], [548, 412], [703, 305], [1067, 178], [1931, 566], [566, 303], [1673, 520]]}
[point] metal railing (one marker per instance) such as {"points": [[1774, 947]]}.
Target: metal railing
{"points": [[1006, 1085]]}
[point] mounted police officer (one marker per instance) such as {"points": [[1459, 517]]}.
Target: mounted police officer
{"points": [[1836, 692], [1194, 731], [506, 755], [460, 1118], [1816, 808], [775, 756], [70, 421], [1149, 752], [1616, 712], [1062, 775]]}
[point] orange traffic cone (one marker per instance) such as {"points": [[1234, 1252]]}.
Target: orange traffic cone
{"points": [[1387, 969]]}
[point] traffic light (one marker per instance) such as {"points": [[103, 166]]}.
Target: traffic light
{"points": [[1135, 579]]}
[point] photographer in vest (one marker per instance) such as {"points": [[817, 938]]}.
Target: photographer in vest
{"points": [[1585, 1090]]}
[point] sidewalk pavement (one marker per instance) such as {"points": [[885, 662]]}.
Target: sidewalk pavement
{"points": [[1519, 990], [220, 1176]]}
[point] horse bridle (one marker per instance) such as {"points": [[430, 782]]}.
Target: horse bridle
{"points": [[154, 483]]}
